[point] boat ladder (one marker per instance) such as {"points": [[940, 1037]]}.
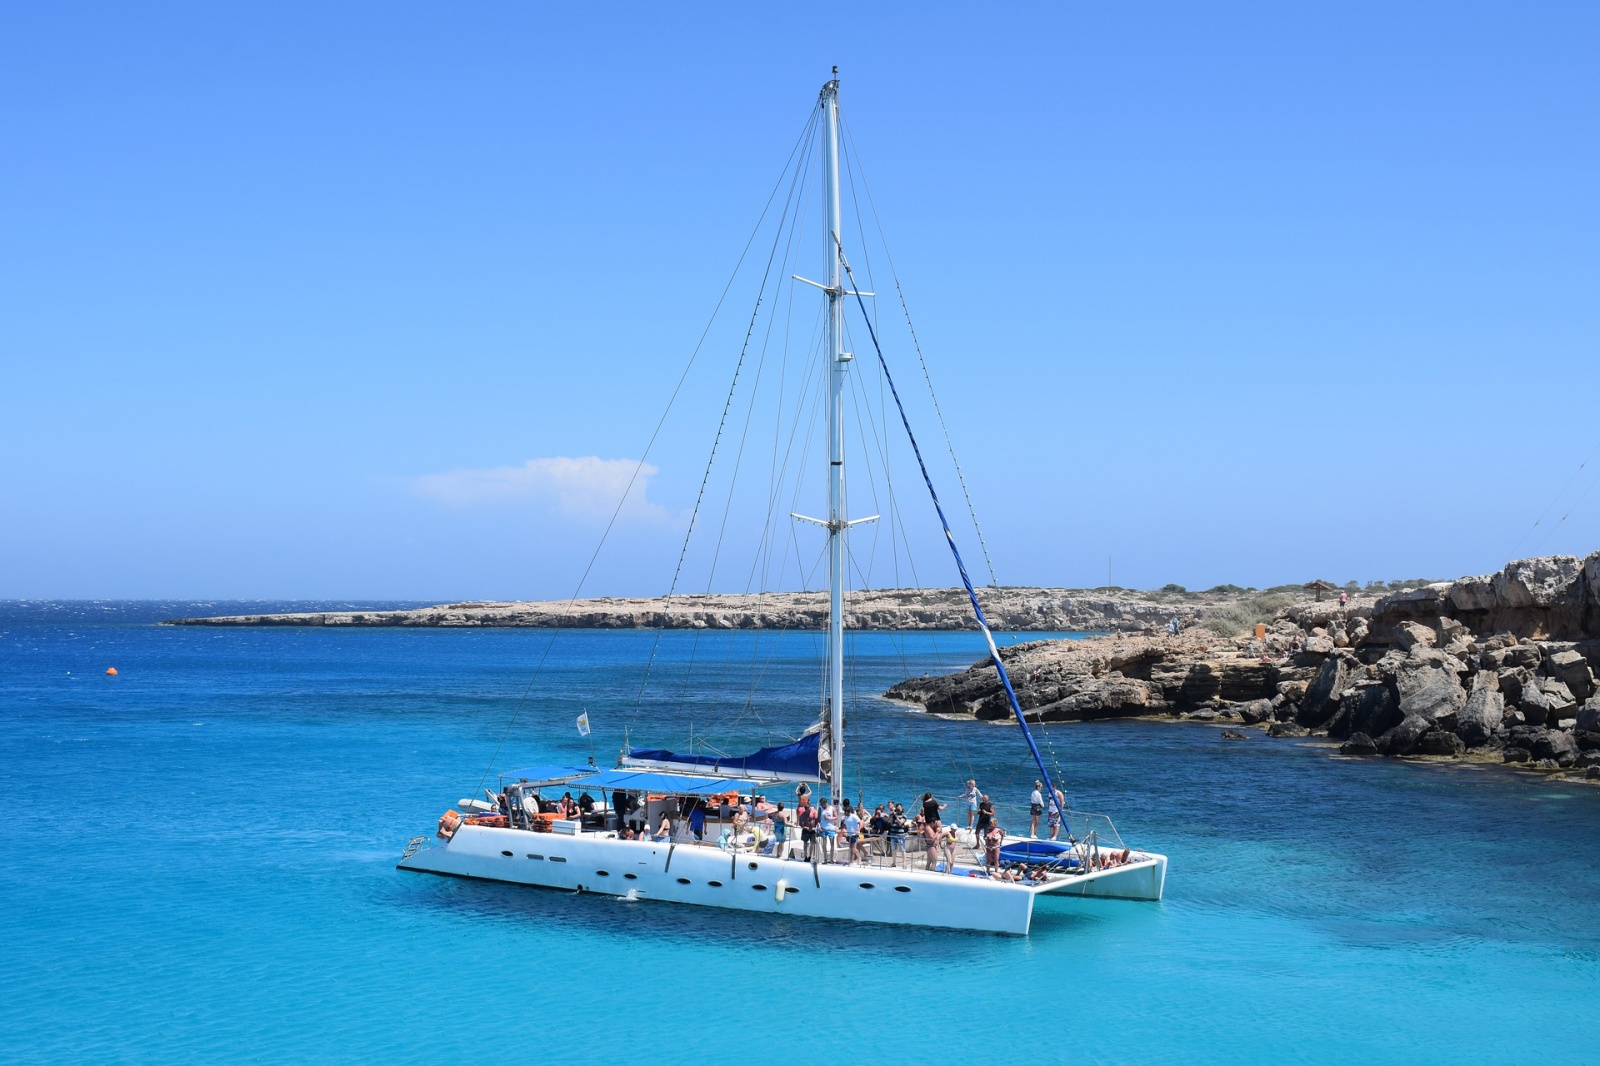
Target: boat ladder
{"points": [[413, 846]]}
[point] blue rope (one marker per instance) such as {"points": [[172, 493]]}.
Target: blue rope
{"points": [[966, 581]]}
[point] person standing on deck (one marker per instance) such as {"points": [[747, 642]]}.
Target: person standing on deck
{"points": [[780, 832], [970, 799], [852, 835], [829, 824], [985, 817], [993, 837], [898, 828], [1054, 818], [807, 817], [697, 820], [1035, 808], [931, 826]]}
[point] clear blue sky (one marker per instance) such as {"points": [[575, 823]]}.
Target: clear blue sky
{"points": [[1227, 292]]}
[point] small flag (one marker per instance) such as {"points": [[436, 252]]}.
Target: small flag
{"points": [[583, 724]]}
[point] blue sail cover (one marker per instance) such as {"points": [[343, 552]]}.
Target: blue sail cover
{"points": [[795, 761]]}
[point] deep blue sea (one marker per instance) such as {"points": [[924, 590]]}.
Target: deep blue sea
{"points": [[202, 871]]}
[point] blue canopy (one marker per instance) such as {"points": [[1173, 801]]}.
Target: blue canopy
{"points": [[646, 781], [545, 773], [794, 761]]}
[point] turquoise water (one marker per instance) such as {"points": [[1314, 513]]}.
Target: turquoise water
{"points": [[202, 870]]}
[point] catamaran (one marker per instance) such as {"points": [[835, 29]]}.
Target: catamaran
{"points": [[714, 850]]}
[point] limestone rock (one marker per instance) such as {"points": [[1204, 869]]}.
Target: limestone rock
{"points": [[1321, 698], [1287, 729], [1255, 711], [1409, 635], [1426, 684], [1571, 669], [1358, 744], [1524, 653], [1562, 701], [1589, 716], [1511, 679], [1484, 711], [1537, 582], [1373, 709], [1554, 744], [1439, 742], [1233, 734], [1403, 738], [1318, 646]]}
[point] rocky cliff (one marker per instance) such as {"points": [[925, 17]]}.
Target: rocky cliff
{"points": [[1501, 666], [1038, 610]]}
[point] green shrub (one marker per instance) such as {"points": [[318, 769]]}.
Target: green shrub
{"points": [[1238, 618]]}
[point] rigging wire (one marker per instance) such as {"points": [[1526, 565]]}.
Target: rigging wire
{"points": [[655, 434], [966, 581], [805, 135], [916, 344]]}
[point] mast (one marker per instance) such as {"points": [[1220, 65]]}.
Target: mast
{"points": [[837, 359]]}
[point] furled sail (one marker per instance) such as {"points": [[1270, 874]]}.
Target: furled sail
{"points": [[800, 760]]}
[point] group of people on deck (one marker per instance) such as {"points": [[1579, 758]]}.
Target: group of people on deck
{"points": [[827, 832]]}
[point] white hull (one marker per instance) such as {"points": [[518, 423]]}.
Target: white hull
{"points": [[710, 877]]}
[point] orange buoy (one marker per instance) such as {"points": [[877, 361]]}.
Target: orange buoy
{"points": [[111, 671]]}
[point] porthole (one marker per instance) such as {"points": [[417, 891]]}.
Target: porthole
{"points": [[755, 866], [532, 856], [683, 880], [902, 888], [714, 884], [792, 891], [759, 888], [631, 877], [868, 884], [558, 858], [602, 873], [507, 854]]}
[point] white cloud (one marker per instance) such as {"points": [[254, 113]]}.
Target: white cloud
{"points": [[587, 488]]}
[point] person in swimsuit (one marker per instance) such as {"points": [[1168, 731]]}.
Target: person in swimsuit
{"points": [[931, 826], [992, 839], [664, 831], [807, 816]]}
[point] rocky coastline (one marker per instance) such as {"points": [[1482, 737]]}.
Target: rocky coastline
{"points": [[1500, 667], [1017, 609]]}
